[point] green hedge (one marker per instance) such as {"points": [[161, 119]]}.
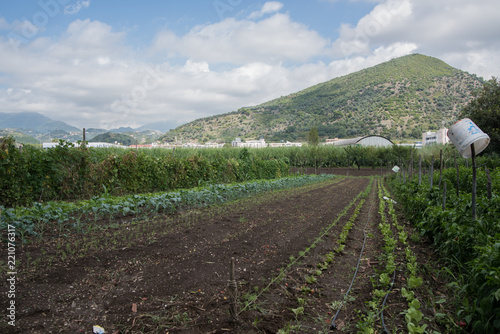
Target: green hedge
{"points": [[71, 173]]}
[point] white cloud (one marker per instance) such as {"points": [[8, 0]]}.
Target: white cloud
{"points": [[386, 17], [75, 8], [461, 32], [90, 77], [4, 25], [269, 7], [197, 67], [273, 39], [103, 60]]}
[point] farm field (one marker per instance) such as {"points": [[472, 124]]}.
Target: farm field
{"points": [[295, 253]]}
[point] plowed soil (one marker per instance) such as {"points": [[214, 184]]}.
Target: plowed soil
{"points": [[170, 274]]}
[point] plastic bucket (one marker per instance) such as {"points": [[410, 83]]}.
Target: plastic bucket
{"points": [[464, 133]]}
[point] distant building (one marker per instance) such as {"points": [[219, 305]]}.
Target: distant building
{"points": [[141, 146], [91, 144], [287, 144], [417, 144], [207, 145], [363, 141], [249, 143], [438, 137]]}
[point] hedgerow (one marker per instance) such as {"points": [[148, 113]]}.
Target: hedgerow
{"points": [[72, 173]]}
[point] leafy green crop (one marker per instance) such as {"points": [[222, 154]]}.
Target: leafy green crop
{"points": [[32, 221], [471, 248]]}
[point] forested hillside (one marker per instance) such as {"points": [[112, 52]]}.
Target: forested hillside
{"points": [[110, 137], [400, 98]]}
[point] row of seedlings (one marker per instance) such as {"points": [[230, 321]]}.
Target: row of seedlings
{"points": [[413, 315], [311, 279], [381, 286], [83, 231]]}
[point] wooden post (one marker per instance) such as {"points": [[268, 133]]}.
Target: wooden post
{"points": [[399, 174], [84, 138], [419, 170], [474, 180], [411, 166], [404, 173], [233, 292], [444, 196], [440, 167], [458, 175], [489, 181], [431, 171]]}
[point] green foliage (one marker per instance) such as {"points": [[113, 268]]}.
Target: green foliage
{"points": [[31, 174], [313, 137], [484, 110], [20, 137], [69, 173], [34, 220], [470, 248]]}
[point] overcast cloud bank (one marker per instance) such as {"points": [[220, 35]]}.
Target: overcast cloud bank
{"points": [[91, 77]]}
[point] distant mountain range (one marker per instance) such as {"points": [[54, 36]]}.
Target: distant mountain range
{"points": [[32, 128], [32, 121], [40, 123], [401, 98]]}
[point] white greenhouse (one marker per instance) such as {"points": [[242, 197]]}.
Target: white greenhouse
{"points": [[371, 140]]}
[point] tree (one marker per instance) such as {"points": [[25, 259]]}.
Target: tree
{"points": [[484, 110], [313, 137]]}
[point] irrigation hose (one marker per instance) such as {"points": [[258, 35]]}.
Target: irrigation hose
{"points": [[385, 299], [333, 325], [339, 216]]}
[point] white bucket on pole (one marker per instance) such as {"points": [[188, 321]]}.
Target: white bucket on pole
{"points": [[464, 133]]}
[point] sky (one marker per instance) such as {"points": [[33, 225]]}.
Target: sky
{"points": [[108, 64]]}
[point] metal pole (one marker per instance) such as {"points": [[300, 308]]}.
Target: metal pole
{"points": [[474, 180]]}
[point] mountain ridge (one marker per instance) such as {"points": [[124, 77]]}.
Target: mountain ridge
{"points": [[34, 128], [32, 121], [35, 121], [400, 98]]}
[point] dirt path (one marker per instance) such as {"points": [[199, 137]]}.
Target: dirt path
{"points": [[171, 276]]}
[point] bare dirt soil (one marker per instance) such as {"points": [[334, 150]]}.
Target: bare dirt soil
{"points": [[170, 273], [344, 171]]}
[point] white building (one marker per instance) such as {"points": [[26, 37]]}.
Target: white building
{"points": [[207, 145], [249, 143], [438, 137], [287, 144], [89, 144]]}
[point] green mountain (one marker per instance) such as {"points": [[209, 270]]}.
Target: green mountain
{"points": [[401, 98], [33, 121], [111, 137], [20, 138]]}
